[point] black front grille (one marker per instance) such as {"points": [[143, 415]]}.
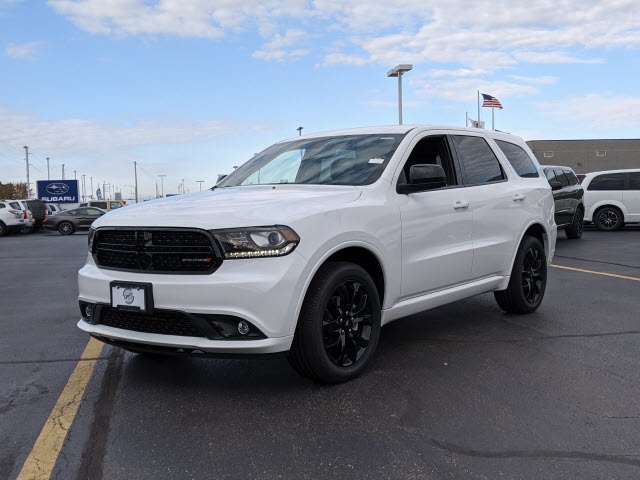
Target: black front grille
{"points": [[164, 322], [156, 250]]}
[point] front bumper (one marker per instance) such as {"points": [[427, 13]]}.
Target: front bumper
{"points": [[264, 291]]}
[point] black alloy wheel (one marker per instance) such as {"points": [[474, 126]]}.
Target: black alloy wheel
{"points": [[347, 323], [528, 279], [574, 231], [339, 324], [608, 219]]}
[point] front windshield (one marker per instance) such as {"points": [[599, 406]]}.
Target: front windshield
{"points": [[340, 160]]}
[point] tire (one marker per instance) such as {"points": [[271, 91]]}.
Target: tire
{"points": [[608, 219], [3, 230], [26, 230], [528, 279], [574, 231], [66, 228], [339, 324]]}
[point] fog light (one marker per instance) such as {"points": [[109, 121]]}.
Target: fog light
{"points": [[243, 327], [88, 311]]}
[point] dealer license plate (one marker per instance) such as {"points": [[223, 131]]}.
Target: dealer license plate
{"points": [[129, 297]]}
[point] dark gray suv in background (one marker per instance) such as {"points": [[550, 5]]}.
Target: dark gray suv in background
{"points": [[569, 199]]}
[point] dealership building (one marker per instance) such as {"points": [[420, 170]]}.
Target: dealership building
{"points": [[586, 156]]}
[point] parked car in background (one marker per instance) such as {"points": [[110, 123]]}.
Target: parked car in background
{"points": [[106, 205], [568, 196], [612, 198], [316, 242], [27, 215], [11, 219], [53, 208], [68, 221]]}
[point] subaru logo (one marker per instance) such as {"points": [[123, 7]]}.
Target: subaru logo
{"points": [[57, 188]]}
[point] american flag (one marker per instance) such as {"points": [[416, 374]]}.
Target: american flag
{"points": [[490, 101]]}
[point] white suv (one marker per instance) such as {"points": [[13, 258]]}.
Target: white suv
{"points": [[612, 198], [316, 242], [11, 218]]}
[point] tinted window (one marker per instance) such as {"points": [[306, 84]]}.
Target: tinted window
{"points": [[608, 181], [562, 178], [15, 205], [551, 175], [2, 205], [519, 160], [94, 211], [432, 150], [635, 181], [573, 180], [479, 162], [75, 212], [99, 204]]}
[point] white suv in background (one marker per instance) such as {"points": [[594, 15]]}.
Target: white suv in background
{"points": [[612, 198], [11, 218], [316, 242]]}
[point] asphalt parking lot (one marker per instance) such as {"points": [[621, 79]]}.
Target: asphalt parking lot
{"points": [[462, 391]]}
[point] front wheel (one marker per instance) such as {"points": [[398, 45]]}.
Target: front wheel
{"points": [[65, 228], [339, 324], [608, 219], [528, 279]]}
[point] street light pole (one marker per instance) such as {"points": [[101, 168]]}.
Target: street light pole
{"points": [[199, 182], [26, 157], [398, 71], [162, 185]]}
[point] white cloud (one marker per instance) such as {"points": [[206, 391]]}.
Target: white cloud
{"points": [[71, 136], [598, 111], [278, 48], [23, 51]]}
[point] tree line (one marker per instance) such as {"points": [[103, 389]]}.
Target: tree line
{"points": [[13, 191]]}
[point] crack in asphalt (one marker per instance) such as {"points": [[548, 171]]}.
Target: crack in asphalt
{"points": [[535, 339], [633, 460], [597, 261]]}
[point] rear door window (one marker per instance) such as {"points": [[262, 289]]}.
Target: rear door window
{"points": [[519, 159], [573, 180], [479, 163], [562, 178], [608, 181]]}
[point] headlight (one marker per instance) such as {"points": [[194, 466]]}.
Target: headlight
{"points": [[92, 233], [253, 242]]}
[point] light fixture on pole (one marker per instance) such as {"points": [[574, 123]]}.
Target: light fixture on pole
{"points": [[398, 71]]}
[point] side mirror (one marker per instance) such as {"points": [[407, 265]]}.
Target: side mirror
{"points": [[555, 185], [423, 177]]}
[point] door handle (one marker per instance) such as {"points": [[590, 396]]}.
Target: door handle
{"points": [[459, 205], [519, 196]]}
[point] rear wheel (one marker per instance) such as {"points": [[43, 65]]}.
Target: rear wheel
{"points": [[608, 219], [3, 229], [66, 228], [339, 324], [528, 279], [574, 231]]}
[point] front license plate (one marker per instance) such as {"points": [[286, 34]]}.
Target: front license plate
{"points": [[129, 297]]}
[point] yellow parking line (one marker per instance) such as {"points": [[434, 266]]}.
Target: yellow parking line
{"points": [[43, 456], [598, 273]]}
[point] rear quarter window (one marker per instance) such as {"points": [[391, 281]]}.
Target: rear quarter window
{"points": [[634, 181], [519, 159]]}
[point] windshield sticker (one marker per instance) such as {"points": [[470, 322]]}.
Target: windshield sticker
{"points": [[377, 160]]}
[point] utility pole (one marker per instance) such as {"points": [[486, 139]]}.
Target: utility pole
{"points": [[183, 186], [299, 131], [135, 170], [48, 172], [75, 177], [104, 190], [84, 188], [162, 185], [91, 187], [200, 183], [26, 158], [63, 171]]}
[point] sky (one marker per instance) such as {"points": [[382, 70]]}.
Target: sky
{"points": [[189, 89]]}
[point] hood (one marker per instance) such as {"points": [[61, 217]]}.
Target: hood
{"points": [[232, 207]]}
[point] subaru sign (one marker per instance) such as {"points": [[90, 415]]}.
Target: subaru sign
{"points": [[58, 191]]}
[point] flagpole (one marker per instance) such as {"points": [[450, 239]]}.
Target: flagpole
{"points": [[493, 123], [478, 105]]}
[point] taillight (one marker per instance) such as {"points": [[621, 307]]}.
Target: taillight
{"points": [[24, 214]]}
